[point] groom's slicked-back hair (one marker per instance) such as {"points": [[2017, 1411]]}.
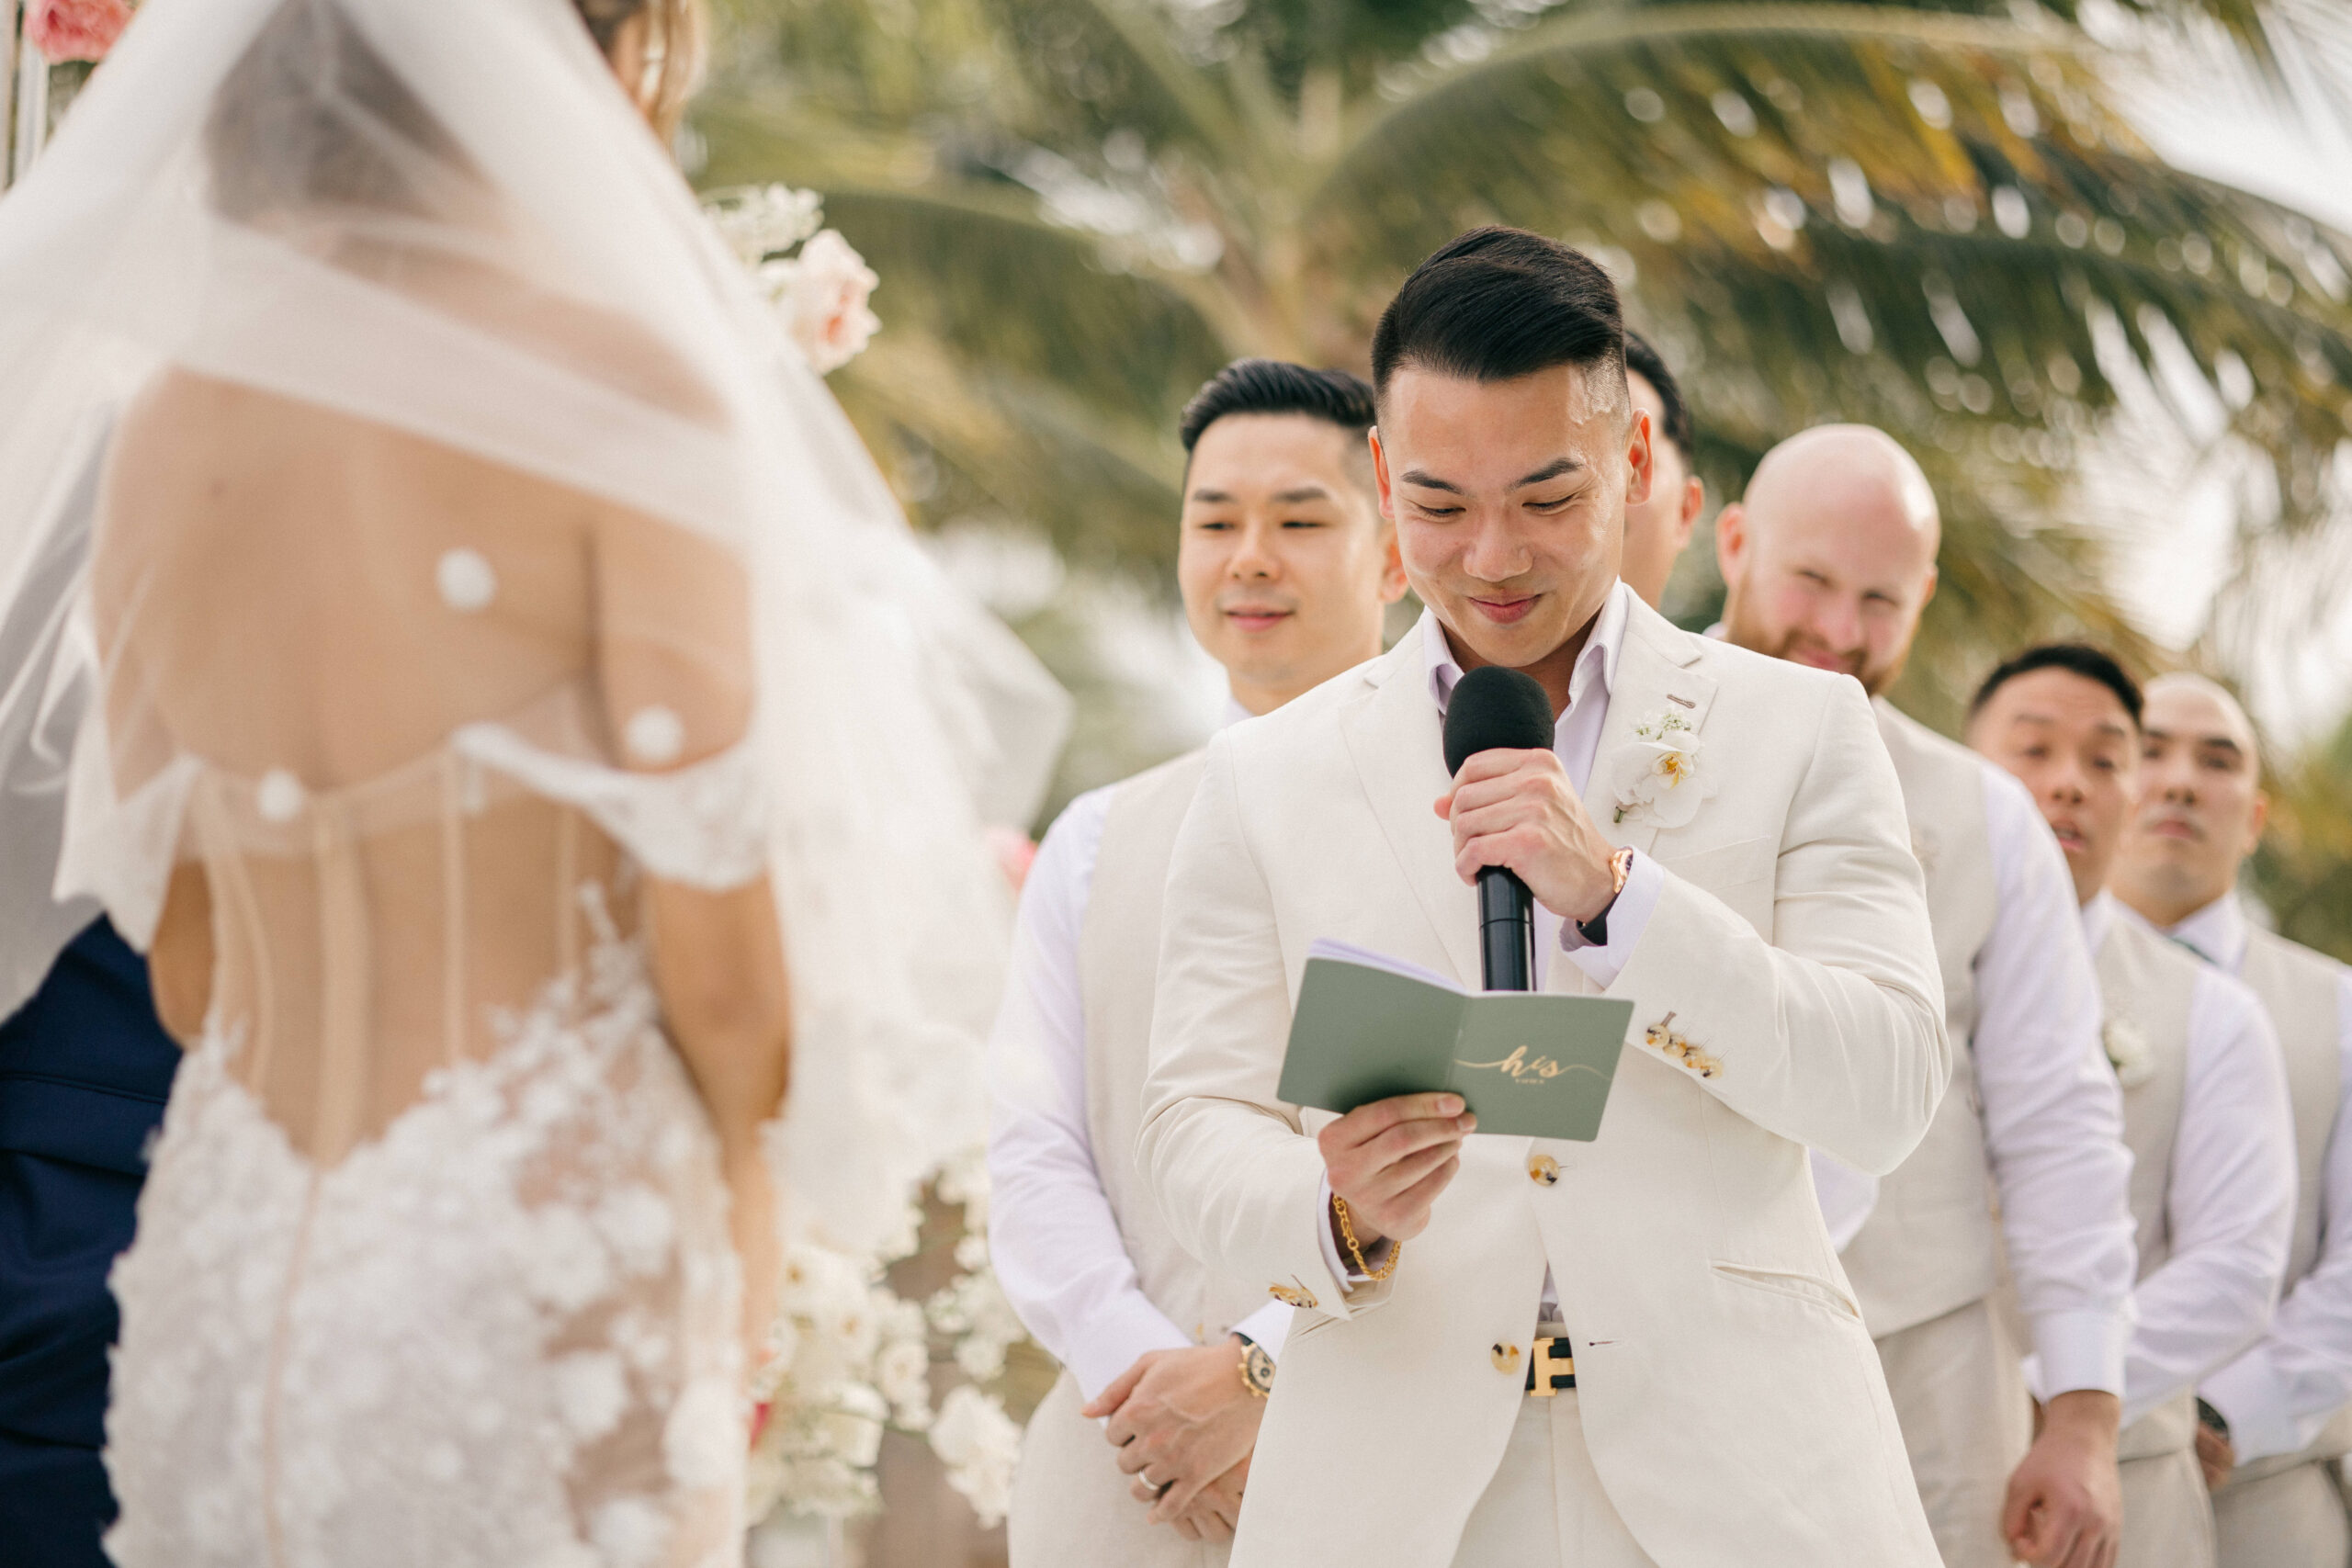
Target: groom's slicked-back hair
{"points": [[1495, 304]]}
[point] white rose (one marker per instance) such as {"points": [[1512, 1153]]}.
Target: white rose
{"points": [[2127, 1051], [980, 1445]]}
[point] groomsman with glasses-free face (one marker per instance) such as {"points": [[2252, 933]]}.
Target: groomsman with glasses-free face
{"points": [[1830, 560], [2282, 1413], [1756, 898], [1138, 1455], [2205, 1103]]}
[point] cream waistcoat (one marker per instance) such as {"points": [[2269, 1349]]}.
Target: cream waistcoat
{"points": [[1930, 1246], [2298, 990], [2147, 982], [1118, 954]]}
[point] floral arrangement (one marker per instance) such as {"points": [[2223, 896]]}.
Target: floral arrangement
{"points": [[853, 1360], [819, 284], [75, 29]]}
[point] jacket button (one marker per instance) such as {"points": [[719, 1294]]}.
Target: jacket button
{"points": [[1543, 1170], [1506, 1357]]}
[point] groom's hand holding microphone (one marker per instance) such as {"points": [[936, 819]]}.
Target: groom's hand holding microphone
{"points": [[1516, 821]]}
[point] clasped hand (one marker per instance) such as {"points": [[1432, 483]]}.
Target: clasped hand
{"points": [[1184, 1425]]}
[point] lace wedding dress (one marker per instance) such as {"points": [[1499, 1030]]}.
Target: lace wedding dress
{"points": [[420, 554]]}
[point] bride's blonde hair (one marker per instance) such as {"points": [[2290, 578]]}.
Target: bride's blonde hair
{"points": [[677, 47]]}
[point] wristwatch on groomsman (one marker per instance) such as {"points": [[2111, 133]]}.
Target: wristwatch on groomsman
{"points": [[1596, 929], [1256, 1367]]}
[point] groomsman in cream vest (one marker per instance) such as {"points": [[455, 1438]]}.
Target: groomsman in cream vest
{"points": [[2282, 1412], [2205, 1105], [1137, 1456], [1828, 561], [1515, 1352]]}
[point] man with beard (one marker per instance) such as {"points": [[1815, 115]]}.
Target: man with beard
{"points": [[1286, 566], [2205, 1108], [1830, 561], [2281, 1412]]}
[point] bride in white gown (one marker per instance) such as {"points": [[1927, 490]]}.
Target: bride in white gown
{"points": [[487, 695]]}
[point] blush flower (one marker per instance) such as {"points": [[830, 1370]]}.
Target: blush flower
{"points": [[75, 29], [827, 294]]}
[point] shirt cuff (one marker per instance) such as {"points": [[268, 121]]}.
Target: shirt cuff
{"points": [[1267, 1329], [1128, 1328], [1349, 1276], [2076, 1351], [1629, 916], [2258, 1406]]}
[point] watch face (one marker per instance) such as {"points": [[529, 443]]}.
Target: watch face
{"points": [[1258, 1368]]}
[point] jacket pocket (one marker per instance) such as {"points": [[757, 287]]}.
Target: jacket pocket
{"points": [[1786, 1283], [1726, 865]]}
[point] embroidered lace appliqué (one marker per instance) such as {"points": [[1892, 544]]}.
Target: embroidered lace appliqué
{"points": [[501, 1334]]}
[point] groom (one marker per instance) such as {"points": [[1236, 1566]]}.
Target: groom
{"points": [[1633, 1351]]}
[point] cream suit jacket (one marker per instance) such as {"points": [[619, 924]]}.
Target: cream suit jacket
{"points": [[1731, 1400]]}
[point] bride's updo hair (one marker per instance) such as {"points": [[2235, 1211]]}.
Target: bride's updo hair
{"points": [[677, 46]]}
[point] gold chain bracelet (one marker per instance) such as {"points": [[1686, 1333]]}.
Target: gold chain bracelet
{"points": [[1348, 1233]]}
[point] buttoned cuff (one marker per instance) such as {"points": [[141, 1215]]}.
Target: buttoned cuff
{"points": [[1267, 1329], [2076, 1351], [2258, 1406], [1629, 916], [1112, 1341]]}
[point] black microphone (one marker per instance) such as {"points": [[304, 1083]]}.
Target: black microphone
{"points": [[1495, 709]]}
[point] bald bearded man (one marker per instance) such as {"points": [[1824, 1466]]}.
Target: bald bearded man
{"points": [[1828, 561], [2283, 1410]]}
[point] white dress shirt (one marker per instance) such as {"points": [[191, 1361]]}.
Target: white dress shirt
{"points": [[2052, 1116], [1576, 737], [2278, 1396], [1054, 1242], [2231, 1199]]}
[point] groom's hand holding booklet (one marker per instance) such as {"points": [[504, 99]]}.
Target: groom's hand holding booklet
{"points": [[1527, 1064]]}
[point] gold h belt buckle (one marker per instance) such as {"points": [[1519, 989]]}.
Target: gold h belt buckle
{"points": [[1552, 1368]]}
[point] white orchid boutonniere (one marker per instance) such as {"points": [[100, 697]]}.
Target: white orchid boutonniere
{"points": [[1667, 783], [2127, 1051]]}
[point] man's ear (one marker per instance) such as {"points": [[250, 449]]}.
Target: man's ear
{"points": [[2261, 821], [1928, 597], [1380, 474], [1641, 459], [1731, 540], [1392, 566]]}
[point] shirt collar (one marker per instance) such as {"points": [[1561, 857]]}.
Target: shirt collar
{"points": [[2217, 932], [1233, 713], [1598, 663]]}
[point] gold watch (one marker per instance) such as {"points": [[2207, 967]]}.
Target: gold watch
{"points": [[1256, 1367], [1620, 867]]}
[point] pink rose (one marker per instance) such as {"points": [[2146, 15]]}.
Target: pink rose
{"points": [[75, 29], [830, 284]]}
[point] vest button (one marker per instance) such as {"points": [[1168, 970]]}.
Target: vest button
{"points": [[1543, 1170], [1506, 1357]]}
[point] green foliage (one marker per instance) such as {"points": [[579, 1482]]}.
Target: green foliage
{"points": [[2303, 869], [1923, 215]]}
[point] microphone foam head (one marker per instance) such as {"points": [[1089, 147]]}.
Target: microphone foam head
{"points": [[1495, 709]]}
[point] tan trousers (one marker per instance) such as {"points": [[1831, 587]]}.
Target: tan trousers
{"points": [[1071, 1504], [2167, 1514], [1544, 1504], [2292, 1519], [1959, 1390]]}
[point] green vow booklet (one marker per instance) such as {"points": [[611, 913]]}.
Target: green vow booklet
{"points": [[1528, 1064]]}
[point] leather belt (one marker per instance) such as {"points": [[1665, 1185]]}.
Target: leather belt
{"points": [[1555, 1358]]}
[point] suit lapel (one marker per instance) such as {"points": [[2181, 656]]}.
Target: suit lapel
{"points": [[1656, 674], [1393, 738]]}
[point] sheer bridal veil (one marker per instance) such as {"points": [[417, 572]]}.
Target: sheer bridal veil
{"points": [[443, 219]]}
